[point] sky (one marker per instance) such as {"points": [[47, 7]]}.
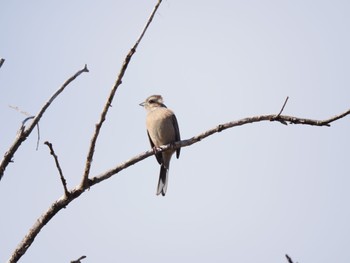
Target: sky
{"points": [[248, 194]]}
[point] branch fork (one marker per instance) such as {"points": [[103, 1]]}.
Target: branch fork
{"points": [[277, 117]]}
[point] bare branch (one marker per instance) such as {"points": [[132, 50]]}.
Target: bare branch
{"points": [[38, 225], [207, 133], [65, 200], [147, 25], [2, 60], [289, 259], [77, 191], [78, 260], [63, 180], [38, 139], [98, 126], [25, 132]]}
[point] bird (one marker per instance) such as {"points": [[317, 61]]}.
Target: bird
{"points": [[162, 129]]}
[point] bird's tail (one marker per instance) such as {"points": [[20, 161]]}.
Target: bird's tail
{"points": [[163, 180]]}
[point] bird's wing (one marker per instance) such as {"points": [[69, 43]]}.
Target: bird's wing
{"points": [[177, 135], [158, 155]]}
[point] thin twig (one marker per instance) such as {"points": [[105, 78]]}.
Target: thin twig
{"points": [[38, 140], [108, 104], [63, 180], [26, 131], [2, 60], [279, 114], [78, 260], [289, 259], [284, 104], [27, 119], [22, 128]]}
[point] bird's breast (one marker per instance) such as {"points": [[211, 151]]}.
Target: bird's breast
{"points": [[160, 126]]}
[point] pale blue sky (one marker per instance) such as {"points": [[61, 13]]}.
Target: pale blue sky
{"points": [[249, 194]]}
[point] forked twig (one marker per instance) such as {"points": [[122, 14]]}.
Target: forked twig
{"points": [[279, 114], [25, 132], [75, 193], [108, 104]]}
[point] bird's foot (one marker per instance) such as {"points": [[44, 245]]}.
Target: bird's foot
{"points": [[156, 150]]}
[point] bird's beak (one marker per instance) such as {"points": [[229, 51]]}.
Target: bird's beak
{"points": [[142, 104]]}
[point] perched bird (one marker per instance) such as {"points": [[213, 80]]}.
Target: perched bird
{"points": [[162, 129]]}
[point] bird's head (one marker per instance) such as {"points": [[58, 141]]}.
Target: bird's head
{"points": [[153, 102]]}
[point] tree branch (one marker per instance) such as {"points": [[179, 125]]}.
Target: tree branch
{"points": [[23, 133], [219, 128], [38, 225], [98, 126], [77, 191], [78, 260], [289, 259], [63, 180], [2, 60]]}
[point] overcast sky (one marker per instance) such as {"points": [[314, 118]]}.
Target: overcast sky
{"points": [[249, 194]]}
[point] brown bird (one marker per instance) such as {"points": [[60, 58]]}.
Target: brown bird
{"points": [[162, 129]]}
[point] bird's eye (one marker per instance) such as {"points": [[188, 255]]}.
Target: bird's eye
{"points": [[151, 101]]}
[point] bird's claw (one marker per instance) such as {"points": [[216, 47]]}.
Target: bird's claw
{"points": [[156, 150]]}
